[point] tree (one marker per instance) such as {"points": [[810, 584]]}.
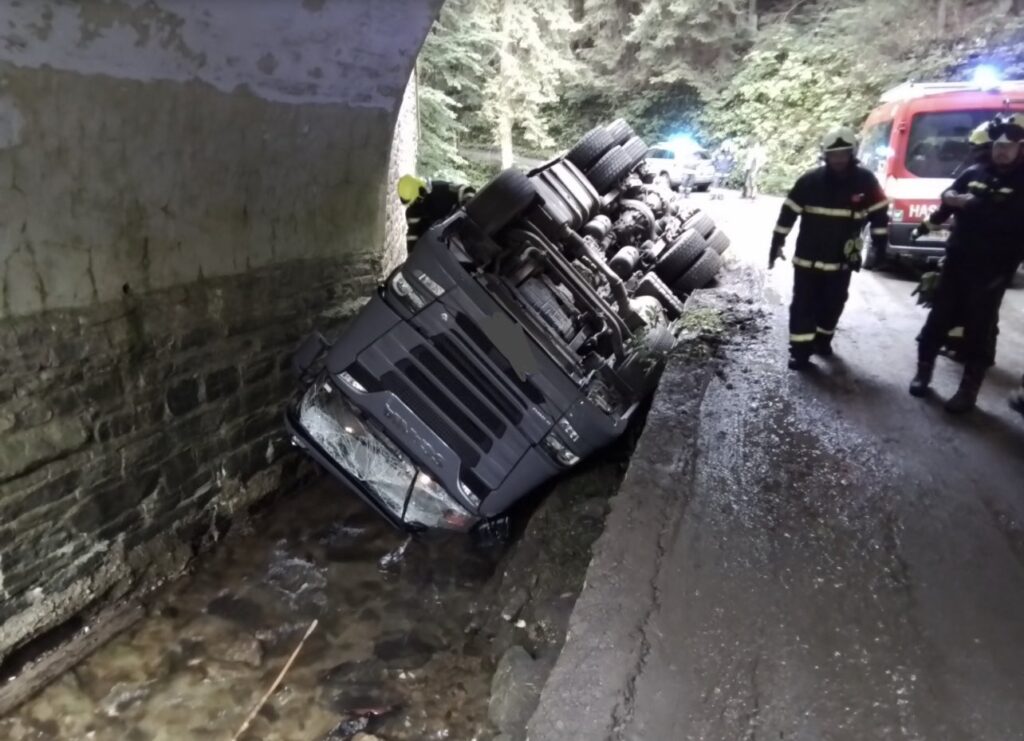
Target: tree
{"points": [[819, 64], [489, 70], [534, 61], [453, 67]]}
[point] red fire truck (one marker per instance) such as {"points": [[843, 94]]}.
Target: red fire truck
{"points": [[916, 143]]}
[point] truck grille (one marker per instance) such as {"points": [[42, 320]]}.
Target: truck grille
{"points": [[459, 385]]}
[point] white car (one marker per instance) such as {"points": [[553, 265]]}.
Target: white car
{"points": [[667, 163]]}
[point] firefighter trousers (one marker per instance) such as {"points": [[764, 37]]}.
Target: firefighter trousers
{"points": [[969, 298], [819, 297]]}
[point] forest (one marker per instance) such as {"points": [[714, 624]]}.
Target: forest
{"points": [[525, 77]]}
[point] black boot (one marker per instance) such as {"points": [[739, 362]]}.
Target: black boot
{"points": [[923, 379], [823, 345], [967, 395], [799, 360]]}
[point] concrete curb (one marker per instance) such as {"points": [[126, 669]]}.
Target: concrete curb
{"points": [[589, 693]]}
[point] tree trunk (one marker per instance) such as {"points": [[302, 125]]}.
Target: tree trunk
{"points": [[940, 17], [505, 113], [505, 137], [752, 16]]}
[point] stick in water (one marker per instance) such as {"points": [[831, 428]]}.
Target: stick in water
{"points": [[273, 687]]}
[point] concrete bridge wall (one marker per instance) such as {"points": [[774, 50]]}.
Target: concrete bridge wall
{"points": [[186, 187]]}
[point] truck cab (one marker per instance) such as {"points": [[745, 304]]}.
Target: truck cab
{"points": [[916, 143]]}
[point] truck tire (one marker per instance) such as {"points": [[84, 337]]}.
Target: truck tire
{"points": [[507, 196], [641, 369], [699, 275], [718, 241], [610, 170], [701, 223], [590, 147], [636, 150], [652, 285], [620, 130], [680, 255]]}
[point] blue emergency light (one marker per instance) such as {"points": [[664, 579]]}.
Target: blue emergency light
{"points": [[986, 76]]}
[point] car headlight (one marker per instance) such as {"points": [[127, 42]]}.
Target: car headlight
{"points": [[405, 291], [559, 451], [431, 506]]}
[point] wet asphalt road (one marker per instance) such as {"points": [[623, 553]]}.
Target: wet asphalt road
{"points": [[832, 559]]}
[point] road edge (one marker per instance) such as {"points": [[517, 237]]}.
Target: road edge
{"points": [[589, 693]]}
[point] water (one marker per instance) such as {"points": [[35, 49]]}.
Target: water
{"points": [[398, 647]]}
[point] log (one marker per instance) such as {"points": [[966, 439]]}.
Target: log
{"points": [[36, 676]]}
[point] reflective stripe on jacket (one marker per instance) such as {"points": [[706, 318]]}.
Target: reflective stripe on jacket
{"points": [[833, 209]]}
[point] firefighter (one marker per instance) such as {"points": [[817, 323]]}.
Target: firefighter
{"points": [[427, 202], [834, 201], [980, 152], [985, 248]]}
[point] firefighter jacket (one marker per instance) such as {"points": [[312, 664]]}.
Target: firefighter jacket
{"points": [[443, 198], [988, 234], [834, 209]]}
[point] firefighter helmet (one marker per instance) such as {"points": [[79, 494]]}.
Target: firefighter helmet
{"points": [[1008, 128], [839, 139], [980, 137], [411, 188]]}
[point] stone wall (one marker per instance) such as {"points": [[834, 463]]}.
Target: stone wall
{"points": [[186, 188]]}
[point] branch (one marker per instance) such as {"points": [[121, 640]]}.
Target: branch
{"points": [[273, 687]]}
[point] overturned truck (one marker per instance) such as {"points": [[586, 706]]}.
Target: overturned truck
{"points": [[517, 339]]}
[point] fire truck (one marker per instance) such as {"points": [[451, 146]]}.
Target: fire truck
{"points": [[916, 143]]}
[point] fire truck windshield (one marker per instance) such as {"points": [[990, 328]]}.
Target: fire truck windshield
{"points": [[938, 146]]}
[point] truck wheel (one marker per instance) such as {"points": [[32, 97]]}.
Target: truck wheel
{"points": [[590, 147], [508, 195], [636, 150], [652, 285], [718, 241], [699, 275], [700, 222], [680, 255], [610, 170], [620, 130], [641, 369]]}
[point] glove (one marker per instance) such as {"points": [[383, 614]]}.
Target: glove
{"points": [[775, 254], [918, 231], [852, 253], [925, 290]]}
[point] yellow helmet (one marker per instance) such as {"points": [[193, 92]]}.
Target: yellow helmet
{"points": [[979, 137], [411, 188]]}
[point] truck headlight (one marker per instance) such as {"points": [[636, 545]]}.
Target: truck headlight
{"points": [[404, 290], [429, 283], [559, 451], [352, 383], [431, 506]]}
